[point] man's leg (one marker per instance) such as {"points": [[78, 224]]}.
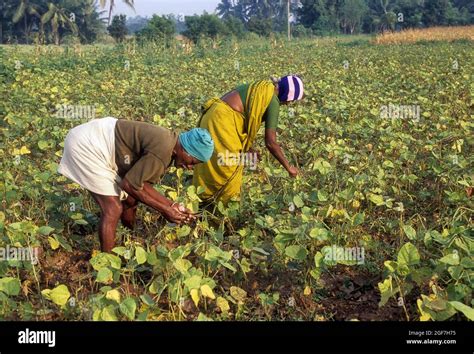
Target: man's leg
{"points": [[111, 209], [129, 212]]}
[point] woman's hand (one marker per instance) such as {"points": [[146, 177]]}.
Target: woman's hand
{"points": [[293, 171]]}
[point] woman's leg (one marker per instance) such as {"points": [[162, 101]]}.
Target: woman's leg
{"points": [[111, 210]]}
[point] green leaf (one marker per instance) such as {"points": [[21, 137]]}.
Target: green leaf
{"points": [[183, 231], [59, 295], [322, 166], [114, 261], [322, 196], [296, 252], [53, 243], [45, 230], [10, 286], [140, 255], [63, 242], [207, 291], [104, 276], [203, 317], [99, 261], [298, 201], [108, 313], [244, 265], [410, 232], [319, 233], [467, 262], [223, 304], [386, 291], [193, 282], [119, 250], [408, 255], [358, 219], [388, 164], [113, 295], [128, 307], [43, 144], [466, 310], [228, 266], [391, 266], [377, 199], [195, 296], [147, 299], [451, 259], [102, 260], [182, 265], [238, 293]]}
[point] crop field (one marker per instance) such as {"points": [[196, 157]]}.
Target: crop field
{"points": [[378, 226], [427, 34]]}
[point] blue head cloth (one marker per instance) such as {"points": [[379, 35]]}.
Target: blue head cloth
{"points": [[198, 143]]}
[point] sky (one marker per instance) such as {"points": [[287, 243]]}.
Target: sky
{"points": [[147, 8]]}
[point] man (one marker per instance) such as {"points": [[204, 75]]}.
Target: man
{"points": [[117, 161]]}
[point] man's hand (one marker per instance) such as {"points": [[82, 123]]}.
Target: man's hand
{"points": [[293, 171], [172, 214], [189, 215]]}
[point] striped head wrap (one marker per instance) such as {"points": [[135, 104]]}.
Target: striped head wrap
{"points": [[290, 88]]}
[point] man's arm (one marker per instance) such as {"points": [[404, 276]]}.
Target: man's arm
{"points": [[275, 149], [149, 196]]}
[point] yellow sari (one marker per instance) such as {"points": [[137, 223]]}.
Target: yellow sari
{"points": [[233, 134]]}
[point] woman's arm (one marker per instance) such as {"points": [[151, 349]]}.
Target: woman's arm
{"points": [[276, 150]]}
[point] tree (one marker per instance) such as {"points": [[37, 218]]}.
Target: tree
{"points": [[319, 15], [21, 20], [118, 29], [25, 8], [205, 25], [352, 13], [137, 23], [262, 27], [112, 5], [226, 8], [434, 12], [234, 26], [258, 13], [59, 18], [159, 27], [90, 23], [411, 12]]}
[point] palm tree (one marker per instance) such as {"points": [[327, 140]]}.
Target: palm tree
{"points": [[91, 23], [24, 9], [58, 18], [225, 8], [112, 4]]}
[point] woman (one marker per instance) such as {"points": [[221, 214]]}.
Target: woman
{"points": [[233, 122]]}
